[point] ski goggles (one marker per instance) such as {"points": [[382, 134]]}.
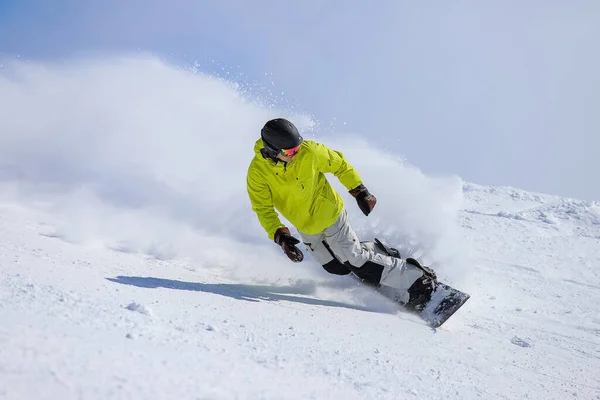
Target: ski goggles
{"points": [[290, 152]]}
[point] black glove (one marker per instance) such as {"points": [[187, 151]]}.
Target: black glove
{"points": [[288, 244], [366, 201]]}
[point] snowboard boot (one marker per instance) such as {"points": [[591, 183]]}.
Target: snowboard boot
{"points": [[421, 290]]}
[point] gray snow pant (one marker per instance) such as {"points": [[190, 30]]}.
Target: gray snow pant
{"points": [[340, 252]]}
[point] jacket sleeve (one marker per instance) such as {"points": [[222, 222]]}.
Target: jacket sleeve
{"points": [[262, 203], [335, 162]]}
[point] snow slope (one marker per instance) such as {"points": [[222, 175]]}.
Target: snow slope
{"points": [[131, 266]]}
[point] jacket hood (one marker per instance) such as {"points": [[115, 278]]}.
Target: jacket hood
{"points": [[258, 146]]}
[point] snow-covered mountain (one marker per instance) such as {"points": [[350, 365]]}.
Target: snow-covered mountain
{"points": [[131, 265]]}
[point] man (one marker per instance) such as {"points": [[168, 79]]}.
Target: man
{"points": [[287, 174]]}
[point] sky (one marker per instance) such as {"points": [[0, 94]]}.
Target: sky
{"points": [[472, 89]]}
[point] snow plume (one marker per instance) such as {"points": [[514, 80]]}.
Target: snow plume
{"points": [[415, 212], [141, 156]]}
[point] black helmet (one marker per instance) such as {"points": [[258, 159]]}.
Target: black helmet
{"points": [[278, 134]]}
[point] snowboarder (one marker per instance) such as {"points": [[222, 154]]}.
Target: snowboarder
{"points": [[287, 174]]}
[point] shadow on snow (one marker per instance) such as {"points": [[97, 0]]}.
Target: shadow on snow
{"points": [[253, 293]]}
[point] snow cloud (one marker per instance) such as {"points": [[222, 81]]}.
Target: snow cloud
{"points": [[146, 156]]}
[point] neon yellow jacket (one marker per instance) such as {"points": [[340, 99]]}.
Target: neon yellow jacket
{"points": [[299, 190]]}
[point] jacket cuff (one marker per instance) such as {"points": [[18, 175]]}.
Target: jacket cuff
{"points": [[357, 190]]}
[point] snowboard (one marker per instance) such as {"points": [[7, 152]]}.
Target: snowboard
{"points": [[445, 301]]}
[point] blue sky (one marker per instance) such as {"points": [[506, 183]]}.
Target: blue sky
{"points": [[500, 93]]}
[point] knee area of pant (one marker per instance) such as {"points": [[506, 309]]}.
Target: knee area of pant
{"points": [[337, 268]]}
